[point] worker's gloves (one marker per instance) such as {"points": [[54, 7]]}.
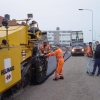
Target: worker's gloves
{"points": [[48, 54]]}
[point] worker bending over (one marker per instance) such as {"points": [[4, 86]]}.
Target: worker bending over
{"points": [[59, 62], [45, 49]]}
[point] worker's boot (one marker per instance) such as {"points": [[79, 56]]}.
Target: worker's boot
{"points": [[55, 79], [61, 77]]}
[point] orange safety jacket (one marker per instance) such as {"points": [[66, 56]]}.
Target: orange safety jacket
{"points": [[45, 49], [58, 53], [89, 52]]}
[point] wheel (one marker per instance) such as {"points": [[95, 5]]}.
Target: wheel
{"points": [[40, 70], [82, 54], [1, 97], [26, 80], [6, 94], [72, 54]]}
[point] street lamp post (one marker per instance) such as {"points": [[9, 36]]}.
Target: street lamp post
{"points": [[92, 22], [95, 33]]}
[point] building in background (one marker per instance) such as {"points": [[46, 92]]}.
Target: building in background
{"points": [[61, 37]]}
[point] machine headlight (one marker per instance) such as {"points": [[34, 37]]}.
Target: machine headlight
{"points": [[4, 42], [72, 50], [82, 49]]}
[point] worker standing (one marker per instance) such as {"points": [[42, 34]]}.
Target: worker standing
{"points": [[97, 59], [89, 54], [44, 49], [59, 62]]}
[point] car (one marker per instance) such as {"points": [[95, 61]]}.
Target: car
{"points": [[78, 49]]}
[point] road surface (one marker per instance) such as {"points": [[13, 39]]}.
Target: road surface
{"points": [[77, 85]]}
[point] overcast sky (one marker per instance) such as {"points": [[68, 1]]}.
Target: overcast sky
{"points": [[57, 13]]}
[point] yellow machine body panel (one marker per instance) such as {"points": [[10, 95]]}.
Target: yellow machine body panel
{"points": [[16, 34], [10, 70], [17, 50], [12, 56]]}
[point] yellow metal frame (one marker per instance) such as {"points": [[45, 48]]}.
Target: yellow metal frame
{"points": [[17, 40]]}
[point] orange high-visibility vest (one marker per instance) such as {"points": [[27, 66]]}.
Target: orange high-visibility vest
{"points": [[58, 53], [89, 52], [59, 62]]}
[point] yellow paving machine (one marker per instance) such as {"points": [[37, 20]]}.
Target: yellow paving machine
{"points": [[20, 61]]}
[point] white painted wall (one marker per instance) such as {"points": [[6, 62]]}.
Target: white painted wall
{"points": [[64, 37]]}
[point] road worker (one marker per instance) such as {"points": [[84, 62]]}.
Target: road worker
{"points": [[59, 62], [89, 54], [97, 59], [44, 49]]}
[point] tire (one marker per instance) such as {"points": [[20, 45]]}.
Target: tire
{"points": [[72, 54], [82, 54], [26, 80], [40, 69]]}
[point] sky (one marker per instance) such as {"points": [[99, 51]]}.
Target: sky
{"points": [[57, 13]]}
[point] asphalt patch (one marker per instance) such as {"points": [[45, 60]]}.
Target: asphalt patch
{"points": [[52, 66]]}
